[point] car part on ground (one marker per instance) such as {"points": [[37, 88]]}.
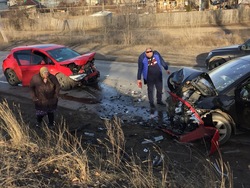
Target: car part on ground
{"points": [[220, 97], [71, 68], [219, 56], [194, 127]]}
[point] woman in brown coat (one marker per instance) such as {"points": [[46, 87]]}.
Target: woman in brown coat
{"points": [[44, 92]]}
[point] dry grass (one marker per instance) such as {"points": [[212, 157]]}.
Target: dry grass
{"points": [[58, 159], [125, 34]]}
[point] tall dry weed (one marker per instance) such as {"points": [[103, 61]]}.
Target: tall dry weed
{"points": [[13, 125], [39, 160], [56, 158], [116, 139]]}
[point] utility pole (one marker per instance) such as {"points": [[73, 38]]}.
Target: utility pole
{"points": [[200, 5]]}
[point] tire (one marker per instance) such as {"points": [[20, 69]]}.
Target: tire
{"points": [[64, 81], [223, 125], [11, 77], [215, 63]]}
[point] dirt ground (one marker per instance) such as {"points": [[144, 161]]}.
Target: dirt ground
{"points": [[186, 158]]}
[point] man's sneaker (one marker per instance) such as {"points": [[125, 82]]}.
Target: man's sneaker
{"points": [[152, 105], [161, 103]]}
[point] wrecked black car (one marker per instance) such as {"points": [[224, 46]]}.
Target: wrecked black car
{"points": [[219, 56], [220, 98]]}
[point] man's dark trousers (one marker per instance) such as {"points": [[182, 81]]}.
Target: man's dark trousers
{"points": [[154, 80]]}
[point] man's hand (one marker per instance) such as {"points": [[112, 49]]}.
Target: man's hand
{"points": [[139, 83], [168, 71]]}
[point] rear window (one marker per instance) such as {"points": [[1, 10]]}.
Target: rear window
{"points": [[25, 58]]}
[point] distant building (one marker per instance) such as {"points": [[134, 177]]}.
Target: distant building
{"points": [[55, 3], [3, 5], [35, 3]]}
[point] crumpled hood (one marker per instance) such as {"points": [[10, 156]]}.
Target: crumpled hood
{"points": [[205, 85], [232, 48], [80, 60], [185, 74]]}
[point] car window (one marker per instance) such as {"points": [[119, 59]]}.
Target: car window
{"points": [[62, 54], [36, 60], [25, 59], [224, 76], [247, 43], [44, 57]]}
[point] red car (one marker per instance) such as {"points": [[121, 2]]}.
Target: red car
{"points": [[71, 68]]}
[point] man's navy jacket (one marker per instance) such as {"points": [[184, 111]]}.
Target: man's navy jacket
{"points": [[143, 64]]}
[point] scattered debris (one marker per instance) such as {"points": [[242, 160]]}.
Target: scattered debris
{"points": [[104, 118], [146, 150], [232, 151], [218, 169], [89, 134], [155, 139], [101, 128], [158, 160]]}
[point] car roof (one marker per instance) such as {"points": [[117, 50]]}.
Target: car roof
{"points": [[247, 57], [43, 47]]}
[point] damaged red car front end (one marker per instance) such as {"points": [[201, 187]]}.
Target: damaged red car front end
{"points": [[189, 126]]}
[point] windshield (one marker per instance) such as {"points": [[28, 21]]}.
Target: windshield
{"points": [[62, 54], [223, 76]]}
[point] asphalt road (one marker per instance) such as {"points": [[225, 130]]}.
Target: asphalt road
{"points": [[116, 76]]}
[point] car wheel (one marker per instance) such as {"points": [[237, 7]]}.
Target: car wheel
{"points": [[11, 77], [223, 125], [215, 63], [65, 82]]}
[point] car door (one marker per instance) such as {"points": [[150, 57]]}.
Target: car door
{"points": [[46, 59], [243, 104], [30, 64]]}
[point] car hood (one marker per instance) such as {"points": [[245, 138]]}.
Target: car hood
{"points": [[204, 85], [80, 60], [185, 74], [233, 48]]}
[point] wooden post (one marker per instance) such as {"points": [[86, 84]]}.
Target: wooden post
{"points": [[3, 34]]}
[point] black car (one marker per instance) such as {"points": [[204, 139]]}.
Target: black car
{"points": [[221, 97], [219, 56]]}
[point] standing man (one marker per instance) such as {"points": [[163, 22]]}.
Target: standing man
{"points": [[44, 92], [150, 65]]}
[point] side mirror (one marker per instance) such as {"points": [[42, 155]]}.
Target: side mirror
{"points": [[243, 47], [244, 95]]}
